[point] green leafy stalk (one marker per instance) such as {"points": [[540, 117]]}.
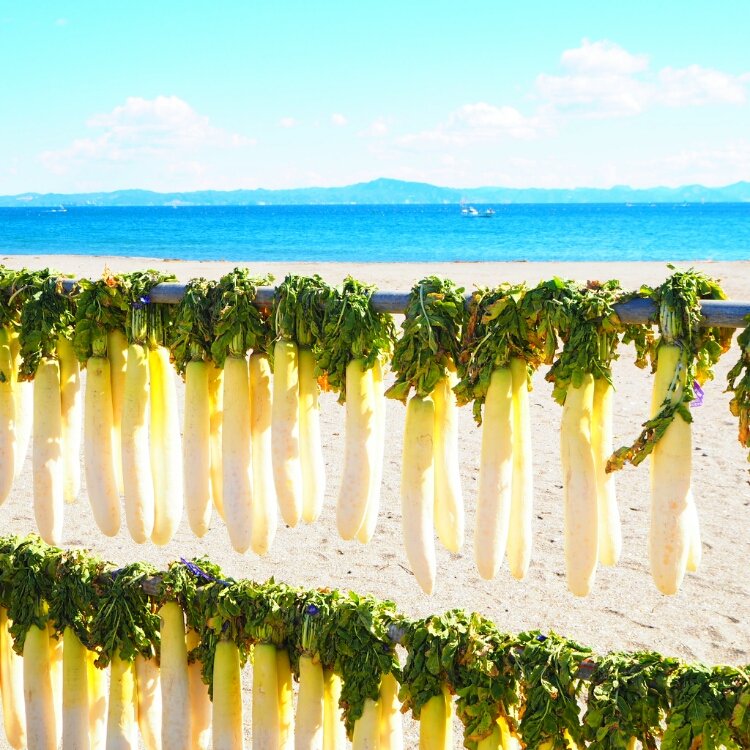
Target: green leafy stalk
{"points": [[429, 344], [147, 323], [192, 332], [12, 296], [738, 384], [101, 306], [299, 309], [307, 627], [680, 324], [238, 324], [352, 330]]}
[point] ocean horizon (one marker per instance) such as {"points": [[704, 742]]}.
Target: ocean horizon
{"points": [[386, 233]]}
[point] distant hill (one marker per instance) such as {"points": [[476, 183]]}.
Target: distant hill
{"points": [[388, 192]]}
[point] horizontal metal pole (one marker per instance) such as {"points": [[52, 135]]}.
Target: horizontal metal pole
{"points": [[726, 313]]}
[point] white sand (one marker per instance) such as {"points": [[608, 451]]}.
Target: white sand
{"points": [[708, 620]]}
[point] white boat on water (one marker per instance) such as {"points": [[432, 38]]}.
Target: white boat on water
{"points": [[472, 213]]}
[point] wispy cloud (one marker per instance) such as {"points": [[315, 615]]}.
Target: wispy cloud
{"points": [[339, 120], [288, 122], [378, 128]]}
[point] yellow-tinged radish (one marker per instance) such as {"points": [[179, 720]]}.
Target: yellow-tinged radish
{"points": [[166, 451], [265, 709], [47, 452], [671, 462], [196, 447], [287, 468], [75, 693], [579, 488], [70, 411], [495, 475], [8, 439], [493, 741], [136, 462], [23, 393], [200, 702], [99, 455], [175, 692], [117, 354], [286, 697], [367, 529], [418, 490], [520, 539], [41, 725], [97, 704], [216, 408], [310, 444], [449, 503], [264, 511], [237, 478], [435, 723], [359, 449], [334, 729], [610, 533], [149, 701], [227, 703], [366, 734], [308, 727], [122, 719], [391, 726], [11, 681], [56, 673]]}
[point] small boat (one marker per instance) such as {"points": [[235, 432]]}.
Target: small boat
{"points": [[472, 213]]}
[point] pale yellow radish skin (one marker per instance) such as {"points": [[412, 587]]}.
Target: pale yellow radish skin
{"points": [[237, 477], [72, 418], [359, 447], [99, 456], [216, 408], [418, 490], [56, 673], [117, 354], [23, 392], [11, 681], [449, 503], [41, 726], [672, 522], [287, 467], [48, 452], [136, 461], [286, 697], [334, 729], [200, 702], [148, 686], [308, 727], [310, 444], [493, 741], [610, 532], [265, 706], [166, 446], [122, 719], [227, 704], [366, 735], [97, 704], [520, 535], [580, 502], [8, 440], [75, 694], [435, 727], [391, 725], [367, 529], [175, 693], [264, 511], [494, 494], [196, 448]]}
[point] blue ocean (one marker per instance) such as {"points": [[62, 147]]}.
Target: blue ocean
{"points": [[658, 232]]}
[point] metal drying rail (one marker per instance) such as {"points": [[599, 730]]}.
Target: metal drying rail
{"points": [[726, 313]]}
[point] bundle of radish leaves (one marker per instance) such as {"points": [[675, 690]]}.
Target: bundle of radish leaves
{"points": [[47, 358], [355, 342], [298, 466], [249, 499], [683, 357], [424, 358], [100, 343], [504, 341], [738, 384]]}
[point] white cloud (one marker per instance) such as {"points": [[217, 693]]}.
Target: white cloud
{"points": [[377, 129], [339, 120], [603, 58], [288, 122], [696, 86], [156, 129]]}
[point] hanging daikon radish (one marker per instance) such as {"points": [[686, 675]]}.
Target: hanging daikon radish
{"points": [[334, 731], [227, 698], [148, 687], [354, 337], [239, 326], [8, 435], [424, 359], [685, 355], [200, 702], [47, 314], [71, 413], [11, 684], [23, 394], [175, 690], [75, 694], [117, 353], [216, 409], [191, 339], [391, 725], [97, 705], [286, 700]]}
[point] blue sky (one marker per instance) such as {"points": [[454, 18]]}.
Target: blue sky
{"points": [[227, 94]]}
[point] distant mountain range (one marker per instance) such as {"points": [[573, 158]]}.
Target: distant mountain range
{"points": [[388, 192]]}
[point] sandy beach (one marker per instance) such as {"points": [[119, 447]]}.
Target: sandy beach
{"points": [[707, 621]]}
